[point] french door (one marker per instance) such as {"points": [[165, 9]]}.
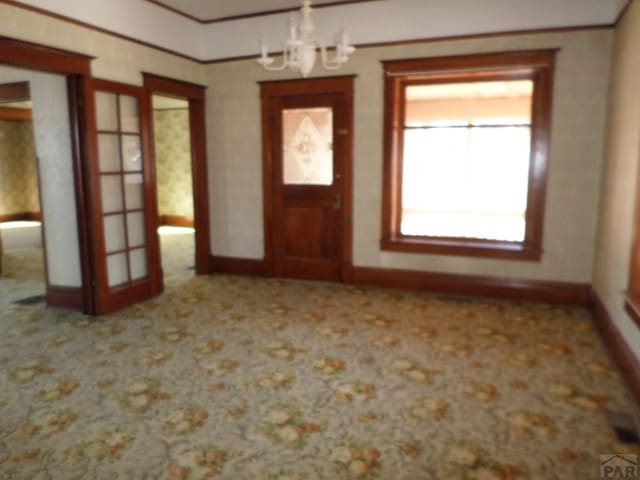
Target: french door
{"points": [[124, 213], [307, 153]]}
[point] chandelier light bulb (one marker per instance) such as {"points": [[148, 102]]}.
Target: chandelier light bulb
{"points": [[301, 47]]}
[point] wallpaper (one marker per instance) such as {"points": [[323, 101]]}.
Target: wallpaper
{"points": [[573, 185], [115, 58], [53, 143], [173, 162], [18, 177], [620, 178]]}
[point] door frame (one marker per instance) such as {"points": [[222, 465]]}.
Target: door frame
{"points": [[196, 96], [269, 92], [77, 70]]}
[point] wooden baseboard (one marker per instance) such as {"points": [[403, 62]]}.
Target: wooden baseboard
{"points": [[237, 266], [15, 114], [15, 217], [473, 285], [624, 358], [64, 297], [176, 221]]}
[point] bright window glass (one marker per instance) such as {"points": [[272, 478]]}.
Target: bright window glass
{"points": [[465, 160]]}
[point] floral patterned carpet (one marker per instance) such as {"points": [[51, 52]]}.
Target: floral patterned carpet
{"points": [[240, 378]]}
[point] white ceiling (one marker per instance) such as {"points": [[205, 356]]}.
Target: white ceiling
{"points": [[368, 22], [215, 9]]}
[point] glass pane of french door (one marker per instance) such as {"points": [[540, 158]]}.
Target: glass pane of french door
{"points": [[122, 175]]}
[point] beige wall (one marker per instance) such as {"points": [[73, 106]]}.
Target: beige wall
{"points": [[233, 116], [116, 59], [173, 162], [620, 176], [18, 178], [573, 185]]}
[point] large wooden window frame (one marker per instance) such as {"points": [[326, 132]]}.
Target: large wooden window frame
{"points": [[536, 66]]}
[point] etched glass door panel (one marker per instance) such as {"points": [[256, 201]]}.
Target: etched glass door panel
{"points": [[122, 182], [307, 149]]}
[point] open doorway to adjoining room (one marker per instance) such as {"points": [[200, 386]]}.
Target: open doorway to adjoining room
{"points": [[35, 143], [172, 147], [21, 247]]}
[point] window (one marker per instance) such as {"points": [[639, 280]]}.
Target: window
{"points": [[466, 146]]}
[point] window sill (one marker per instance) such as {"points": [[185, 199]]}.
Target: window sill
{"points": [[632, 306], [463, 247]]}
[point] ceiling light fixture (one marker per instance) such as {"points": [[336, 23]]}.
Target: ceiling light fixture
{"points": [[300, 49]]}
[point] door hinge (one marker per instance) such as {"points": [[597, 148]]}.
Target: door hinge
{"points": [[272, 117], [274, 252]]}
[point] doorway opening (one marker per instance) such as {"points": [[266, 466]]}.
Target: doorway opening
{"points": [[174, 180], [21, 246], [41, 246], [169, 93]]}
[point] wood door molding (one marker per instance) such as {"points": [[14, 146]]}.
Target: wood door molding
{"points": [[20, 216], [15, 114], [271, 92], [196, 95], [15, 92], [20, 53], [173, 87], [76, 68], [176, 221], [280, 88]]}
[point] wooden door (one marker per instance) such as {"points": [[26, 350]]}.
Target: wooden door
{"points": [[309, 141], [124, 213]]}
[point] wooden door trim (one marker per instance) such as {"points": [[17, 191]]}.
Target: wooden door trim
{"points": [[76, 68], [15, 92], [19, 53], [270, 93], [196, 95]]}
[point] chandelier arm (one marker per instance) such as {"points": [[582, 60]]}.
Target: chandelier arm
{"points": [[286, 61], [329, 63], [266, 64], [277, 68], [300, 49]]}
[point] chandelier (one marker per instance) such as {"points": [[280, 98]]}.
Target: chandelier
{"points": [[300, 49]]}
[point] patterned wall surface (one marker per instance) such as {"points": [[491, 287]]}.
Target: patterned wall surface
{"points": [[620, 184], [579, 112], [18, 177], [173, 162]]}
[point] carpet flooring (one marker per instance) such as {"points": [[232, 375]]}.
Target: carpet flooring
{"points": [[242, 378]]}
